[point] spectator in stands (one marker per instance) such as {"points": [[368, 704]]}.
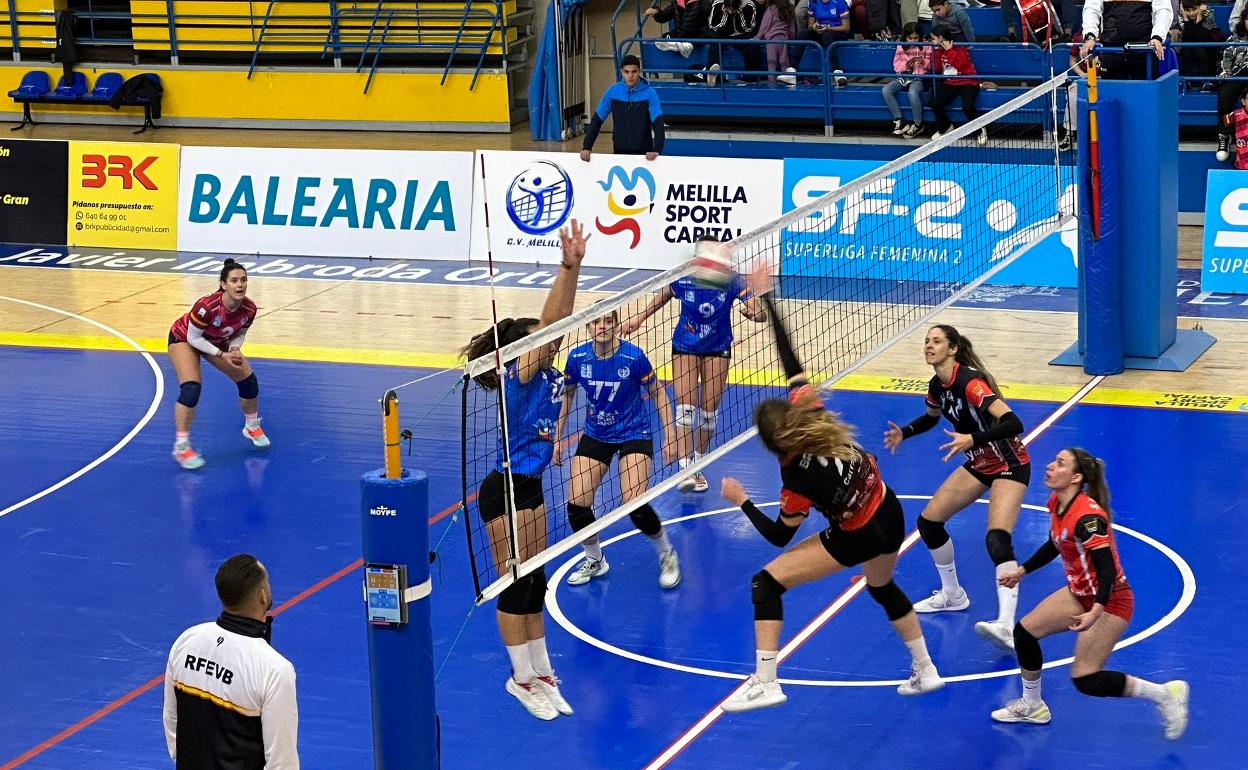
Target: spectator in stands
{"points": [[638, 128], [883, 19], [1117, 23], [916, 12], [690, 22], [1234, 65], [955, 21], [779, 23], [962, 82], [1238, 121], [828, 23], [909, 61], [733, 20], [1197, 25]]}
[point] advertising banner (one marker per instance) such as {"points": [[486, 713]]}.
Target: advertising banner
{"points": [[1224, 261], [123, 196], [902, 227], [361, 203], [640, 214], [33, 177]]}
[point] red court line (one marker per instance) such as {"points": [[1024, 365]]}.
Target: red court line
{"points": [[96, 716]]}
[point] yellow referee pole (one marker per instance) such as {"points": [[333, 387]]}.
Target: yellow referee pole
{"points": [[1094, 152], [390, 433]]}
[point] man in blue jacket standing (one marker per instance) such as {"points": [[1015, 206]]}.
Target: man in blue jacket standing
{"points": [[638, 115]]}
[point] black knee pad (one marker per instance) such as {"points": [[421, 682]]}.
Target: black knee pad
{"points": [[645, 519], [765, 593], [933, 533], [580, 516], [1000, 546], [537, 594], [250, 387], [1027, 648], [894, 601], [514, 600], [1102, 684], [188, 394]]}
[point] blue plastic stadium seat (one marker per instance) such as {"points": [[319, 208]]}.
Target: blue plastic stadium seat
{"points": [[33, 86], [76, 88], [105, 86]]}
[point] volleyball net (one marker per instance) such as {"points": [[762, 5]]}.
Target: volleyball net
{"points": [[869, 256]]}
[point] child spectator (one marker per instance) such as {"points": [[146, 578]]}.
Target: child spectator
{"points": [[1238, 121], [733, 20], [1234, 64], [779, 23], [955, 61], [1197, 25], [828, 23], [909, 61], [955, 20], [690, 22]]}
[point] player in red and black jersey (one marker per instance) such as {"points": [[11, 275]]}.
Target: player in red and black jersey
{"points": [[214, 329], [1096, 601], [821, 467], [987, 433]]}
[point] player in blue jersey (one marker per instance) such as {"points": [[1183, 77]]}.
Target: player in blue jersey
{"points": [[533, 392], [701, 350], [619, 381]]}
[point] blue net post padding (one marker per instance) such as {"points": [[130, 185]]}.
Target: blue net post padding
{"points": [[395, 519], [1101, 258]]}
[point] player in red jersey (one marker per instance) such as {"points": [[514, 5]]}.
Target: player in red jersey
{"points": [[1096, 601], [214, 330], [986, 432], [821, 466]]}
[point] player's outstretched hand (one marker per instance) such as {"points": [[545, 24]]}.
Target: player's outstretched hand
{"points": [[892, 437], [732, 491], [629, 325], [573, 239], [960, 443]]}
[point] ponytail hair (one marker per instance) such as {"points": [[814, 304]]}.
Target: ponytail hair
{"points": [[228, 267], [804, 428], [966, 354], [508, 331], [1093, 471]]}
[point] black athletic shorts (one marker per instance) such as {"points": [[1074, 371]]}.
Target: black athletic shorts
{"points": [[725, 353], [1019, 473], [603, 451], [882, 534], [491, 497]]}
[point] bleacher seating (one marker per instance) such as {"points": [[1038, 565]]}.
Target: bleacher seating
{"points": [[36, 88]]}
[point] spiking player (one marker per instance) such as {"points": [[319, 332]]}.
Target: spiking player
{"points": [[1096, 601], [214, 329], [533, 388], [618, 381], [986, 431], [701, 351]]}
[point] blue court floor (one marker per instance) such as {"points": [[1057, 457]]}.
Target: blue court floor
{"points": [[102, 574]]}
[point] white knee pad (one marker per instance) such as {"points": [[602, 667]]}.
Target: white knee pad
{"points": [[709, 418], [686, 415]]}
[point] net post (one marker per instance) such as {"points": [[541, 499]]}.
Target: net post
{"points": [[1102, 258], [394, 514], [390, 433]]}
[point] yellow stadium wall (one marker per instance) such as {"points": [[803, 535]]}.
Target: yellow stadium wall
{"points": [[202, 96]]}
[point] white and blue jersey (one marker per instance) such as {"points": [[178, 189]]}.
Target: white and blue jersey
{"points": [[617, 390], [705, 325], [532, 414]]}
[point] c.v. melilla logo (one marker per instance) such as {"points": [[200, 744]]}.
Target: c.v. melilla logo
{"points": [[628, 195]]}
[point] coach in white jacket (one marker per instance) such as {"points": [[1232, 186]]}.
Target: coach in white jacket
{"points": [[229, 696]]}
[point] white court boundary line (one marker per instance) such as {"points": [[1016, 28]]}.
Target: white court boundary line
{"points": [[126, 439], [552, 605]]}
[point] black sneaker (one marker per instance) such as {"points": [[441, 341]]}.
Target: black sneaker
{"points": [[1224, 147]]}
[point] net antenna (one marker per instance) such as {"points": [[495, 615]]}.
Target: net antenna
{"points": [[850, 320]]}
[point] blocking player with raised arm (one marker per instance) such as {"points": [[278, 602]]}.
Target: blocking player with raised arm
{"points": [[987, 432], [1096, 601], [619, 382], [701, 351], [821, 467], [533, 389], [214, 330]]}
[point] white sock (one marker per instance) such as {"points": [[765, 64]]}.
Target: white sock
{"points": [[684, 462], [918, 652], [540, 657], [593, 549], [662, 546], [765, 665], [1007, 598], [521, 663], [1031, 692], [252, 419], [1142, 688], [947, 567]]}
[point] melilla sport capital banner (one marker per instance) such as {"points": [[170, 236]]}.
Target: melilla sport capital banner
{"points": [[326, 203], [639, 213], [123, 195]]}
